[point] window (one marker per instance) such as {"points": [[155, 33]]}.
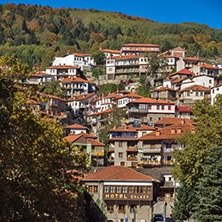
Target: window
{"points": [[149, 106], [122, 163], [152, 146], [143, 190], [112, 189], [188, 93], [95, 189], [121, 208], [201, 93], [132, 207], [118, 189], [162, 107], [137, 189], [90, 189], [157, 107], [151, 118], [131, 189], [148, 189], [210, 81], [120, 155], [110, 208], [169, 107], [196, 93], [120, 144], [124, 189], [106, 189]]}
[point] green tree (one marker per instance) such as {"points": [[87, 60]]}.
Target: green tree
{"points": [[190, 160], [184, 201], [110, 88], [209, 190], [54, 88], [155, 63], [34, 158], [98, 57]]}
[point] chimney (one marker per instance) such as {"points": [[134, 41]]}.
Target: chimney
{"points": [[182, 121], [173, 131], [117, 90], [157, 133], [179, 130], [114, 127]]}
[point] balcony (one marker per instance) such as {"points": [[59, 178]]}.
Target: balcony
{"points": [[134, 109], [97, 153], [168, 162], [132, 148], [150, 163], [149, 150], [132, 158]]}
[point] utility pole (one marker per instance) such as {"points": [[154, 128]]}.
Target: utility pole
{"points": [[134, 218], [164, 212]]}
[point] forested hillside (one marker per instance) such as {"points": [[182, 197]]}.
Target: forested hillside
{"points": [[36, 34]]}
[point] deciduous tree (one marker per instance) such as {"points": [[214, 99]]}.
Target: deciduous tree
{"points": [[34, 158]]}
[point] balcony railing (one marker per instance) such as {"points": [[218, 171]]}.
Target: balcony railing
{"points": [[132, 148], [132, 158], [150, 163], [167, 162]]}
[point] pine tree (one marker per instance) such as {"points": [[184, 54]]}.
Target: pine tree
{"points": [[184, 200], [209, 192]]}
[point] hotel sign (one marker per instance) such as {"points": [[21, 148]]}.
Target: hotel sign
{"points": [[126, 196]]}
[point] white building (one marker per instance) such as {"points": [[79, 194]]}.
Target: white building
{"points": [[214, 92], [83, 61], [206, 81]]}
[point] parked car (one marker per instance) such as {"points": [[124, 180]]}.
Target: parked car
{"points": [[158, 217]]}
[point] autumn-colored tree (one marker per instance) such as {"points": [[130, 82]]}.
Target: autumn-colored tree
{"points": [[34, 157]]}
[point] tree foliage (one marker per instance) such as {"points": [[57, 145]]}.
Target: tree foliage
{"points": [[190, 160], [34, 157], [54, 88], [209, 193], [110, 88]]}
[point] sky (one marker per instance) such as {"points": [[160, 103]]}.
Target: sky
{"points": [[207, 12]]}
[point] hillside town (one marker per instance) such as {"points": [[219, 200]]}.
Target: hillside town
{"points": [[129, 139]]}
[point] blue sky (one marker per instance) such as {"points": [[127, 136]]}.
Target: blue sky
{"points": [[174, 11]]}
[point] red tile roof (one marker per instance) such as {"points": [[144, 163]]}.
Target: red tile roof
{"points": [[178, 49], [208, 66], [41, 73], [139, 45], [130, 95], [131, 128], [162, 89], [77, 79], [166, 133], [96, 143], [77, 126], [81, 97], [196, 88], [173, 120], [119, 173], [99, 113], [63, 67], [126, 57], [31, 101], [52, 96], [194, 59], [73, 138], [183, 72], [149, 100], [110, 50]]}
